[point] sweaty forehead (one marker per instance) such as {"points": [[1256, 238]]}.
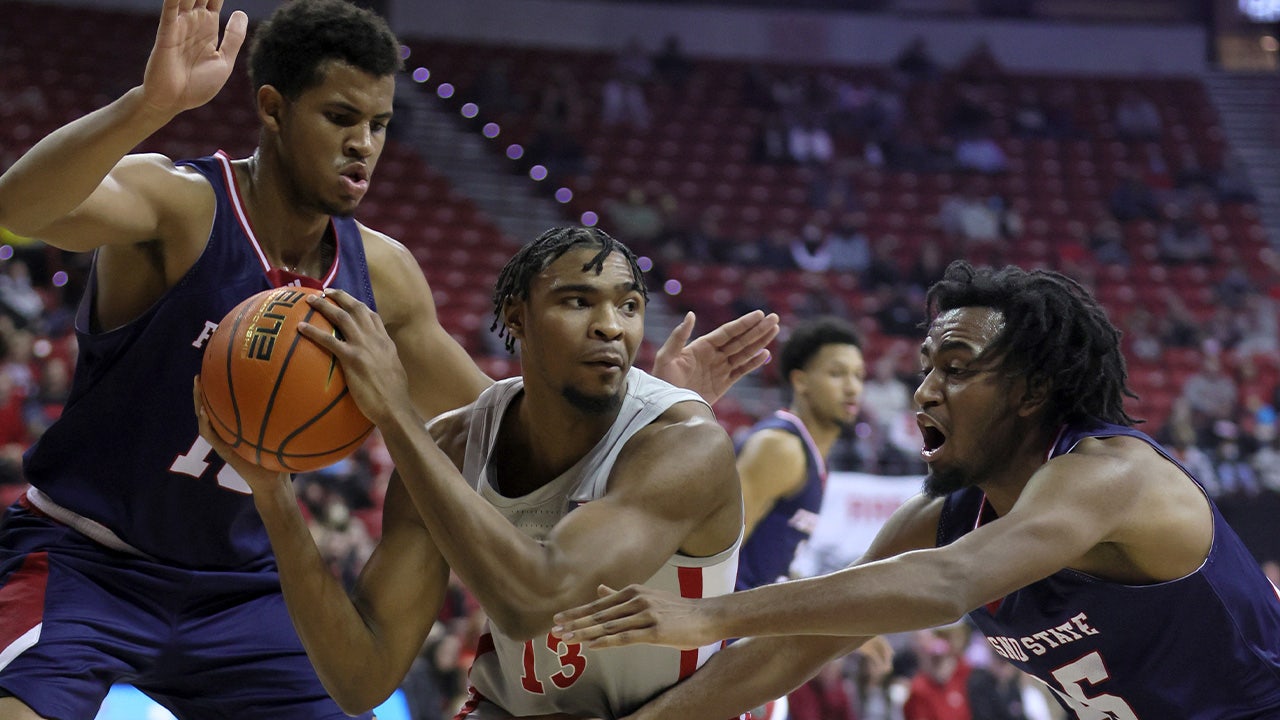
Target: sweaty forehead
{"points": [[971, 327]]}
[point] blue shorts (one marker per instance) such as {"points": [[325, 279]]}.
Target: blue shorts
{"points": [[76, 617]]}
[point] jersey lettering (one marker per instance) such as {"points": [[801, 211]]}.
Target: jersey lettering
{"points": [[1090, 669], [195, 461], [572, 665], [205, 334]]}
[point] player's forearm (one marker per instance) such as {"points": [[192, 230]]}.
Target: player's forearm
{"points": [[911, 591], [505, 569], [746, 675], [339, 644], [63, 169]]}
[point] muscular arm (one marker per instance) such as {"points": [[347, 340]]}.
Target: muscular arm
{"points": [[771, 466], [754, 671], [441, 375], [78, 178], [1089, 510], [361, 645], [672, 488]]}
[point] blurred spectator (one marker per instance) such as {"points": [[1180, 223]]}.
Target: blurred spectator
{"points": [[1260, 327], [1211, 394], [980, 65], [884, 269], [771, 142], [1106, 243], [1266, 459], [18, 298], [939, 689], [1132, 198], [1234, 473], [1136, 117], [927, 266], [1140, 338], [1030, 117], [848, 244], [816, 297], [634, 218], [980, 154], [810, 250], [808, 140], [624, 100], [1181, 240], [670, 65], [915, 64], [827, 696], [1178, 327]]}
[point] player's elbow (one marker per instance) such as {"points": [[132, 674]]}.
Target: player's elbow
{"points": [[357, 697]]}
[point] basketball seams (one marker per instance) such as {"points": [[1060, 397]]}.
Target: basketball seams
{"points": [[297, 399]]}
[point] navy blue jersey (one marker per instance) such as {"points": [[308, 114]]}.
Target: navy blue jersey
{"points": [[1202, 647], [126, 453], [767, 554]]}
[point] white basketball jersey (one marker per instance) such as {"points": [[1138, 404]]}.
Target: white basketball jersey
{"points": [[546, 675]]}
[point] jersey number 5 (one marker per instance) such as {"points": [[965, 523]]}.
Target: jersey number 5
{"points": [[572, 664], [1090, 669]]}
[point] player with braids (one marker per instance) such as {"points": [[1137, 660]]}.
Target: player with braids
{"points": [[531, 259], [1081, 354], [1083, 551]]}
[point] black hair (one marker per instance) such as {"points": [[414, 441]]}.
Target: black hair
{"points": [[290, 48], [808, 339], [1054, 332], [516, 277]]}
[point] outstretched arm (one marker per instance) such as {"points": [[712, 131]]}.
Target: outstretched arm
{"points": [[69, 170], [711, 364]]}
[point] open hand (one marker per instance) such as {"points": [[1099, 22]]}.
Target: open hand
{"points": [[187, 66], [711, 364], [637, 615]]}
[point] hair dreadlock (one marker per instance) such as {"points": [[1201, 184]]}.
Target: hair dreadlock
{"points": [[1054, 332], [533, 258]]}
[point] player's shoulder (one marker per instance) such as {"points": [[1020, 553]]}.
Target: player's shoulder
{"points": [[450, 430], [382, 249], [774, 441]]}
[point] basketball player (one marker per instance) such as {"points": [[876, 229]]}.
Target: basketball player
{"points": [[783, 462], [583, 470], [1082, 550], [138, 556]]}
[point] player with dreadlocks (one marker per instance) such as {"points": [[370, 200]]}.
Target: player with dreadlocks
{"points": [[1087, 555], [584, 470]]}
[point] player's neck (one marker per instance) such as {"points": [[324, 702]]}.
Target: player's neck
{"points": [[290, 236], [542, 436], [824, 434], [1004, 486]]}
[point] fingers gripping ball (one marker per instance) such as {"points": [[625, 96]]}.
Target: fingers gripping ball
{"points": [[278, 399]]}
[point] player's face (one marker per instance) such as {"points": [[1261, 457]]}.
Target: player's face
{"points": [[968, 410], [830, 384], [582, 329], [331, 136]]}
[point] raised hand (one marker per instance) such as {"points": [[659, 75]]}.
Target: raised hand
{"points": [[637, 615], [711, 364], [187, 66]]}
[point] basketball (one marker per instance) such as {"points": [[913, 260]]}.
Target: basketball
{"points": [[278, 399]]}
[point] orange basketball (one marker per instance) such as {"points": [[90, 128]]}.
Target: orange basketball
{"points": [[277, 398]]}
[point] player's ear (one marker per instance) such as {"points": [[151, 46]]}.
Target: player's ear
{"points": [[513, 318], [270, 103], [1036, 395]]}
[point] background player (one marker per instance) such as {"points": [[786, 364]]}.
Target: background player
{"points": [[581, 471], [149, 544], [783, 462], [1083, 551]]}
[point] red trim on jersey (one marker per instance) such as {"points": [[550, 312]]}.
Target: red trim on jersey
{"points": [[484, 644], [22, 598], [279, 276], [690, 587], [808, 440], [473, 701]]}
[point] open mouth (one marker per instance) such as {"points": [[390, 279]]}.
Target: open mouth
{"points": [[933, 437]]}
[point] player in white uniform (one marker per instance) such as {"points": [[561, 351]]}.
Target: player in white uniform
{"points": [[589, 473]]}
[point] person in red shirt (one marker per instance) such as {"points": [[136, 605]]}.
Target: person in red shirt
{"points": [[939, 690]]}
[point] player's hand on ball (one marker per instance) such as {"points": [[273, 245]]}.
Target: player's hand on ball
{"points": [[256, 476], [375, 376], [636, 615]]}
